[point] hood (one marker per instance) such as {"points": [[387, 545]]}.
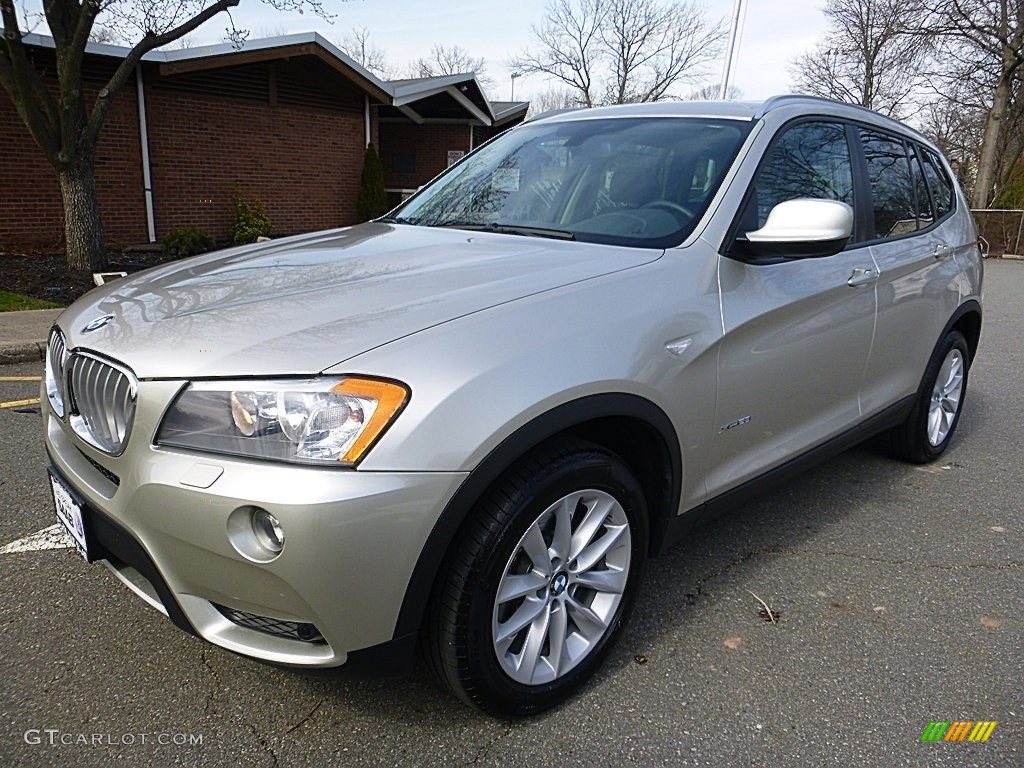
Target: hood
{"points": [[303, 304]]}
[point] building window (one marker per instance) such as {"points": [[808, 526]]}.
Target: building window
{"points": [[403, 162]]}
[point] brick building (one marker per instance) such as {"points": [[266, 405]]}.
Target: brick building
{"points": [[431, 122], [284, 119]]}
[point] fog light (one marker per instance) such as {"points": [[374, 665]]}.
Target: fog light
{"points": [[308, 633], [267, 529]]}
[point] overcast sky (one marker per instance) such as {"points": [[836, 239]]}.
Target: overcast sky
{"points": [[773, 32]]}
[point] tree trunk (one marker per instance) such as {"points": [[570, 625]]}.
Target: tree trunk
{"points": [[83, 228], [985, 181]]}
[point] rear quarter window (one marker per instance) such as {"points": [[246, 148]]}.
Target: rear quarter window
{"points": [[925, 216], [939, 183]]}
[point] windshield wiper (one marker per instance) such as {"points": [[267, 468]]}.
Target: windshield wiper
{"points": [[395, 220], [509, 229]]}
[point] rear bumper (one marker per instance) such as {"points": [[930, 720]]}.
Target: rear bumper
{"points": [[352, 540]]}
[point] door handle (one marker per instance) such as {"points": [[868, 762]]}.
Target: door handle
{"points": [[862, 276], [943, 251]]}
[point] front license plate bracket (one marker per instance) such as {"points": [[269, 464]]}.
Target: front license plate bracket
{"points": [[72, 514]]}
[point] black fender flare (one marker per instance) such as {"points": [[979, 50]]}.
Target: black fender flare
{"points": [[971, 306], [521, 441]]}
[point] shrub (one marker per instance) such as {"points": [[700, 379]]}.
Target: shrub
{"points": [[251, 221], [373, 200], [187, 241], [1012, 196]]}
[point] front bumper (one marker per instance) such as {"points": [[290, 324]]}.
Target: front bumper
{"points": [[352, 537]]}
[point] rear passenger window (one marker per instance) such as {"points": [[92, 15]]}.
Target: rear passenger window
{"points": [[924, 202], [939, 184], [808, 160], [892, 190]]}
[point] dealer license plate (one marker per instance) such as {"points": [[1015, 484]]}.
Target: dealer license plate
{"points": [[70, 515]]}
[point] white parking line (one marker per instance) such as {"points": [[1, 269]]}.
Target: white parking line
{"points": [[53, 537]]}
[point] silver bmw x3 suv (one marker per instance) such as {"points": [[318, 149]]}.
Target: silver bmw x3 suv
{"points": [[464, 427]]}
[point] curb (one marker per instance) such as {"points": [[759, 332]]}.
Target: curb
{"points": [[22, 352]]}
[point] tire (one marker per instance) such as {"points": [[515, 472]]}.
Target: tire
{"points": [[471, 640], [920, 438]]}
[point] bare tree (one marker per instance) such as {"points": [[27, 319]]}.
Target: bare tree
{"points": [[712, 92], [357, 45], [872, 54], [622, 51], [102, 34], [276, 30], [569, 46], [30, 19], [990, 35], [188, 41], [453, 60], [654, 46], [553, 98], [62, 121], [956, 128]]}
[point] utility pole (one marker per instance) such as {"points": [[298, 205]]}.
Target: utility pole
{"points": [[514, 75], [730, 52]]}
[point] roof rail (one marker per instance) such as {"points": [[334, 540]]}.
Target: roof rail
{"points": [[775, 102], [552, 113], [795, 98]]}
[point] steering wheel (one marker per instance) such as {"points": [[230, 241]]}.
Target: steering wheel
{"points": [[668, 205]]}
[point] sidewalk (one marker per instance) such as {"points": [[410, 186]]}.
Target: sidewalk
{"points": [[23, 334]]}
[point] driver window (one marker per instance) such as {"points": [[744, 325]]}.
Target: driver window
{"points": [[807, 160]]}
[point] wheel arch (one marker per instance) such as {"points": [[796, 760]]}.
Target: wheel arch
{"points": [[631, 426], [967, 320]]}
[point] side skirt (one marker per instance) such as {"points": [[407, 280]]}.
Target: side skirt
{"points": [[890, 417]]}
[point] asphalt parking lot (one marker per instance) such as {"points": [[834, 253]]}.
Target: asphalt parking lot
{"points": [[899, 592]]}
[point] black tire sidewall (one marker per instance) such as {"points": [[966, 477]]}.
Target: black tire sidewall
{"points": [[919, 425], [591, 470]]}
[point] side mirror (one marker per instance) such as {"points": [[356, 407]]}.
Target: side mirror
{"points": [[803, 228]]}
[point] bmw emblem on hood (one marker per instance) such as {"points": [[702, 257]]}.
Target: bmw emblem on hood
{"points": [[97, 323]]}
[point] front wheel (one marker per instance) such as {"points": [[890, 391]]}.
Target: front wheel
{"points": [[541, 581], [926, 433]]}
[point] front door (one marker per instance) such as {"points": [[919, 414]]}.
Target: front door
{"points": [[797, 334]]}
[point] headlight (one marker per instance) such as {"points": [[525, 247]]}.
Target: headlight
{"points": [[312, 421], [56, 356]]}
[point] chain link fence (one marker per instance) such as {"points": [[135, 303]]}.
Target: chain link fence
{"points": [[1004, 230]]}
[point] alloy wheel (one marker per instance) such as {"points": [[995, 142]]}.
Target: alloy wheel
{"points": [[946, 394], [561, 588]]}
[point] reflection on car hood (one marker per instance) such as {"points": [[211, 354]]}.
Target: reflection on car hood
{"points": [[300, 305]]}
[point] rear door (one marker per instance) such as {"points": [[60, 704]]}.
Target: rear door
{"points": [[797, 332], [913, 241]]}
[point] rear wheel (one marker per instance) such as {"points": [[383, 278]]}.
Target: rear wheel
{"points": [[541, 580], [926, 433]]}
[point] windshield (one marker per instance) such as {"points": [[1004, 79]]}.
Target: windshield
{"points": [[624, 181]]}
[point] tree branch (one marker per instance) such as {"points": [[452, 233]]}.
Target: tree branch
{"points": [[148, 43], [31, 98]]}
